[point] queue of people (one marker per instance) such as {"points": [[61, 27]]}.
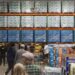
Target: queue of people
{"points": [[19, 54]]}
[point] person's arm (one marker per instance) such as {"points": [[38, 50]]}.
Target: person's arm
{"points": [[15, 56]]}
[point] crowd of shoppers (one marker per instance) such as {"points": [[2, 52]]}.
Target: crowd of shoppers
{"points": [[20, 54]]}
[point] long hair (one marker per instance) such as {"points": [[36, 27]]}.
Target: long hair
{"points": [[19, 69]]}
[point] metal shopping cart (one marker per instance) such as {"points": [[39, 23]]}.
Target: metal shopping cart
{"points": [[36, 70], [33, 69], [53, 71]]}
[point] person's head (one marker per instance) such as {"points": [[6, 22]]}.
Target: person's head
{"points": [[22, 46], [19, 69], [25, 44], [32, 44], [3, 44], [0, 45], [37, 44], [11, 44], [28, 58]]}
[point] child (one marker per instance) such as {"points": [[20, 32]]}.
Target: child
{"points": [[19, 69]]}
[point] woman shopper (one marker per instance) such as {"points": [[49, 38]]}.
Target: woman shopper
{"points": [[19, 69]]}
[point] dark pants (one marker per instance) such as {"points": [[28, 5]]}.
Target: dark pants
{"points": [[2, 60], [10, 68]]}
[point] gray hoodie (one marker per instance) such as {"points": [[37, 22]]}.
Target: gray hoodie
{"points": [[18, 57]]}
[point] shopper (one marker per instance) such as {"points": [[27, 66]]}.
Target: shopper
{"points": [[38, 48], [26, 47], [38, 53], [10, 58], [32, 48], [19, 69], [3, 53], [31, 68], [26, 59], [0, 54], [19, 53], [46, 52], [16, 46]]}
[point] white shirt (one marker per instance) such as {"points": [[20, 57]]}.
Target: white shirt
{"points": [[46, 49], [28, 55]]}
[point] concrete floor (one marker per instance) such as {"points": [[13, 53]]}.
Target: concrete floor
{"points": [[3, 69]]}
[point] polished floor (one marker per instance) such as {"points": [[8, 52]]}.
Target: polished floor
{"points": [[3, 69]]}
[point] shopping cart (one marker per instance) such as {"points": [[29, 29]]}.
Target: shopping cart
{"points": [[52, 71], [36, 70], [33, 69]]}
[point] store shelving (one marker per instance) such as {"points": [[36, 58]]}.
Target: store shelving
{"points": [[31, 11], [36, 14], [38, 28]]}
